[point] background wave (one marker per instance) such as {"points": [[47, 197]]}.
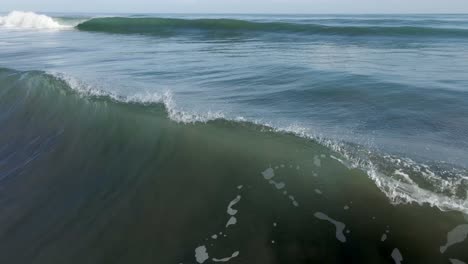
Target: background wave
{"points": [[223, 27], [173, 26]]}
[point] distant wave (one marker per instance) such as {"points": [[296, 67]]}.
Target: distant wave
{"points": [[216, 28], [19, 19], [233, 27]]}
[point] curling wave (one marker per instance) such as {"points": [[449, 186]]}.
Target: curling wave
{"points": [[235, 27], [60, 101]]}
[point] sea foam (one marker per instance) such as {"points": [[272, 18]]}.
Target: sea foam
{"points": [[20, 19]]}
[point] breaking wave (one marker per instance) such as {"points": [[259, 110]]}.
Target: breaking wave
{"points": [[216, 28], [235, 27], [401, 179], [19, 19]]}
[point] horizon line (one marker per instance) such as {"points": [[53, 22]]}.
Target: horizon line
{"points": [[242, 13]]}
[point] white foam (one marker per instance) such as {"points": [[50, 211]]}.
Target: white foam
{"points": [[88, 90], [235, 254], [188, 117], [293, 200], [400, 192], [230, 210], [339, 160], [19, 19], [456, 261], [201, 255], [278, 185], [269, 173], [232, 221], [396, 256], [407, 193], [457, 235], [404, 193], [383, 238], [165, 98], [404, 175], [340, 227]]}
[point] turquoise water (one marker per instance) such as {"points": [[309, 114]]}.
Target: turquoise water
{"points": [[130, 138]]}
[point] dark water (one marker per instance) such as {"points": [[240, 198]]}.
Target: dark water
{"points": [[244, 139]]}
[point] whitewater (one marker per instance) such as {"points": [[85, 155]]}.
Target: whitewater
{"points": [[31, 20]]}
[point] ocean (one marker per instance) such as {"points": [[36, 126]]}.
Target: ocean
{"points": [[201, 138]]}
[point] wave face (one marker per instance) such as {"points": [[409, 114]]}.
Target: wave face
{"points": [[19, 19], [82, 169], [401, 179], [235, 27]]}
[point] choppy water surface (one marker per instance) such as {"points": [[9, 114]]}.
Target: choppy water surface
{"points": [[233, 138]]}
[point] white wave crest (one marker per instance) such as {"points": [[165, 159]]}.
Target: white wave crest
{"points": [[404, 190], [20, 19], [165, 98], [187, 117], [405, 193]]}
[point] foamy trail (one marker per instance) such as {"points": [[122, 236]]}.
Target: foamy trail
{"points": [[20, 19]]}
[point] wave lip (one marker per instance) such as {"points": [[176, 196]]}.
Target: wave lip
{"points": [[31, 20], [165, 98], [227, 27]]}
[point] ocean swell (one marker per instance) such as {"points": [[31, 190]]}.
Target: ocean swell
{"points": [[401, 179], [234, 27], [218, 28]]}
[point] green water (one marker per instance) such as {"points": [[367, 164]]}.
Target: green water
{"points": [[92, 180]]}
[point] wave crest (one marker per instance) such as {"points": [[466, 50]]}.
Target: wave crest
{"points": [[165, 98], [20, 19]]}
